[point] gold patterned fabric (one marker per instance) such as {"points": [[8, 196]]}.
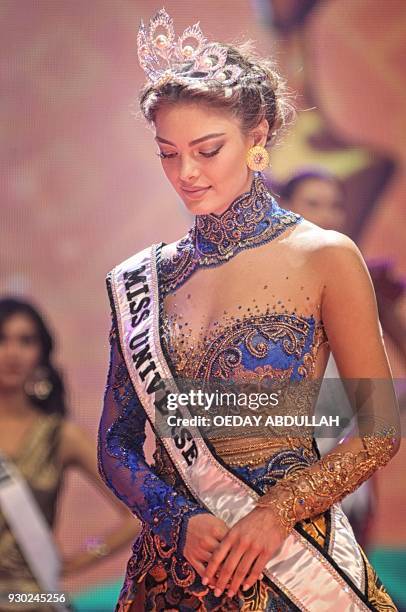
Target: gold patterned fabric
{"points": [[38, 464]]}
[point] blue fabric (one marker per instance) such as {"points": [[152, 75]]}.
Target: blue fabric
{"points": [[123, 464]]}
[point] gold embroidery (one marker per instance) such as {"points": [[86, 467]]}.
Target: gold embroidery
{"points": [[251, 220], [376, 592], [311, 491], [309, 360], [218, 354], [255, 451], [316, 528]]}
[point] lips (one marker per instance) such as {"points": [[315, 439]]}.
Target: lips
{"points": [[194, 189], [195, 193]]}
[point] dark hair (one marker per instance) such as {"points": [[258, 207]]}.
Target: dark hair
{"points": [[55, 401], [286, 190], [260, 93]]}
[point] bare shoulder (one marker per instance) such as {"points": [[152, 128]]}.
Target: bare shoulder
{"points": [[325, 246]]}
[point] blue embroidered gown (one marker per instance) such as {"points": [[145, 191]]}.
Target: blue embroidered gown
{"points": [[229, 311]]}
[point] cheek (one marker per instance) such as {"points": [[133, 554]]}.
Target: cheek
{"points": [[229, 168], [236, 155], [172, 173], [30, 355]]}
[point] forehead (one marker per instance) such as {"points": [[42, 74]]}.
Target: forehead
{"points": [[319, 187], [184, 122], [18, 323]]}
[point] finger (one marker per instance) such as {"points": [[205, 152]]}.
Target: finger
{"points": [[210, 544], [204, 555], [216, 559], [213, 582], [227, 571], [220, 532], [199, 567], [256, 571], [199, 555], [242, 570]]}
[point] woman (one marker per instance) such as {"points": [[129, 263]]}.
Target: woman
{"points": [[244, 298], [38, 442]]}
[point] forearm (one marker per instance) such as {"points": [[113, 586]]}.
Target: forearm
{"points": [[122, 463], [310, 491], [97, 548]]}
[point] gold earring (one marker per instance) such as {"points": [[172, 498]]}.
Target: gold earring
{"points": [[258, 158]]}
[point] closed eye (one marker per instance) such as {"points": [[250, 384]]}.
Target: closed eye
{"points": [[211, 153], [163, 155]]}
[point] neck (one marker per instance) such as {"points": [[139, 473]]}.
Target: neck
{"points": [[251, 220], [246, 191], [246, 222], [14, 403]]}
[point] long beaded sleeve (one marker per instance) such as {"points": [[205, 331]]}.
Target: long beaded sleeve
{"points": [[122, 462], [312, 490]]}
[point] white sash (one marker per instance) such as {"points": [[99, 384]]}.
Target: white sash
{"points": [[299, 569], [30, 529]]}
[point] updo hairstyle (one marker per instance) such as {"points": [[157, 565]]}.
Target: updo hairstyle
{"points": [[260, 93]]}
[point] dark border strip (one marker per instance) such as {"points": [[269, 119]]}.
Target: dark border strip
{"points": [[338, 569]]}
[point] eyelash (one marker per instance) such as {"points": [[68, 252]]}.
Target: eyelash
{"points": [[172, 155]]}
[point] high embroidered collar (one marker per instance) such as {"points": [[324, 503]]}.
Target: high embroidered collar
{"points": [[252, 219]]}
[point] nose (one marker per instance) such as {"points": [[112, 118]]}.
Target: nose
{"points": [[188, 170]]}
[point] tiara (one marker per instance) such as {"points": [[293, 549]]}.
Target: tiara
{"points": [[189, 60]]}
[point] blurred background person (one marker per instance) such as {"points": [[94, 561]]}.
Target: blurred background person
{"points": [[318, 195], [38, 442]]}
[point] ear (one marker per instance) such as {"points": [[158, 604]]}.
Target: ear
{"points": [[260, 133]]}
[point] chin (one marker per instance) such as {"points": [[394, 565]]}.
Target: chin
{"points": [[199, 208]]}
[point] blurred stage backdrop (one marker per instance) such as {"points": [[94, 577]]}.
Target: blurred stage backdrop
{"points": [[82, 188]]}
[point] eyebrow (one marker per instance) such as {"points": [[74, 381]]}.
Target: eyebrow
{"points": [[193, 142]]}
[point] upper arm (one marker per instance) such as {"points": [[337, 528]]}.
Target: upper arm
{"points": [[79, 449], [350, 317], [349, 311]]}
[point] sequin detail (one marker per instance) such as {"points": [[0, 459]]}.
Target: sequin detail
{"points": [[152, 499], [252, 348]]}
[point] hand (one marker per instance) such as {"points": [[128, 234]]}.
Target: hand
{"points": [[204, 534], [244, 551], [76, 562], [68, 566]]}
